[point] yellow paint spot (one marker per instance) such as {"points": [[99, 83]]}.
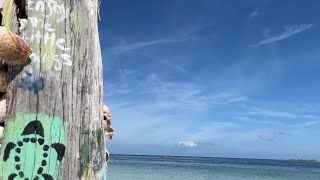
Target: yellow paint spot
{"points": [[7, 12]]}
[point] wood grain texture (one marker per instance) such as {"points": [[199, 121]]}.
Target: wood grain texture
{"points": [[63, 81]]}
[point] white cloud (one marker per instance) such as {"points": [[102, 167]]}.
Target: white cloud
{"points": [[311, 123], [122, 85], [213, 130], [166, 95], [185, 95], [288, 32], [254, 14], [272, 136], [265, 138], [281, 114], [307, 124], [179, 36], [280, 133], [138, 45], [188, 144], [174, 66]]}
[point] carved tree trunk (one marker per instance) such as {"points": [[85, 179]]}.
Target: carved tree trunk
{"points": [[54, 106]]}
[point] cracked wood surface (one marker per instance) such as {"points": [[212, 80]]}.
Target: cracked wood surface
{"points": [[62, 88]]}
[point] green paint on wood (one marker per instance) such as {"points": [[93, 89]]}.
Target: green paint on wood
{"points": [[97, 151], [38, 142], [84, 154], [90, 152], [99, 136]]}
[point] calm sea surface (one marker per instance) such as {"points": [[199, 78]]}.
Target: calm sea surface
{"points": [[127, 167]]}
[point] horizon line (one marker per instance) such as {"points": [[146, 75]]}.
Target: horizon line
{"points": [[316, 160]]}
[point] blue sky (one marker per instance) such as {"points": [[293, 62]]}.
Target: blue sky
{"points": [[213, 77]]}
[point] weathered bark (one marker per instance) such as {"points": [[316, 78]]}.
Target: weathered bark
{"points": [[54, 104]]}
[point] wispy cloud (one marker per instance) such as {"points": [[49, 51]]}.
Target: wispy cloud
{"points": [[254, 14], [188, 144], [277, 113], [265, 138], [122, 85], [185, 95], [174, 66], [280, 133], [311, 123], [179, 36], [166, 95], [139, 45], [288, 32], [273, 136], [307, 124], [213, 130]]}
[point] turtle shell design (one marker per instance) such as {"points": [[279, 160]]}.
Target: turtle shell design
{"points": [[32, 139]]}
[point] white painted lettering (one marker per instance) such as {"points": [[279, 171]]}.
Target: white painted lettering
{"points": [[50, 36], [67, 59], [56, 13]]}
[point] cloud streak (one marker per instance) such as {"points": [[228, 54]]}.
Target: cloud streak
{"points": [[265, 138], [185, 95], [288, 32], [174, 66], [180, 37], [187, 144], [256, 111], [139, 45], [274, 135], [254, 14]]}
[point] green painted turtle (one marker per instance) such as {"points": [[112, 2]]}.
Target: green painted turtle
{"points": [[35, 164]]}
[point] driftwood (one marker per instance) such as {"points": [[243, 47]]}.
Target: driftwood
{"points": [[53, 125]]}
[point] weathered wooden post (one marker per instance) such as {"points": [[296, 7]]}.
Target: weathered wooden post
{"points": [[54, 104]]}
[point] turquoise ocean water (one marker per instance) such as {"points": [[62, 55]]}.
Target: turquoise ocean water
{"points": [[127, 167]]}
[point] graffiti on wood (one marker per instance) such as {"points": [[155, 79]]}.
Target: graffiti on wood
{"points": [[46, 26], [42, 135], [33, 82], [91, 155]]}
